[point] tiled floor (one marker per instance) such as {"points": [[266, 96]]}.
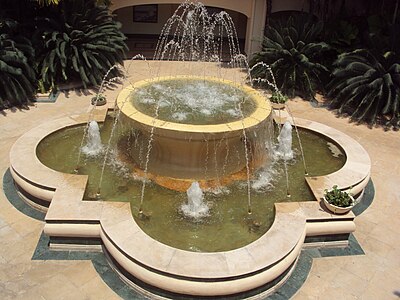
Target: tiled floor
{"points": [[375, 275]]}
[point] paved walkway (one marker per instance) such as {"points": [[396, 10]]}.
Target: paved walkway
{"points": [[375, 275]]}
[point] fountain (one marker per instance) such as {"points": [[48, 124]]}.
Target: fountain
{"points": [[164, 157]]}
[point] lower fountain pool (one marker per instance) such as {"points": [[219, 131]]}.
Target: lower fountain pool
{"points": [[227, 224]]}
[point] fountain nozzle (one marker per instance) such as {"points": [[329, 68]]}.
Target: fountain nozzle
{"points": [[249, 212], [143, 216], [76, 170], [288, 195], [98, 194]]}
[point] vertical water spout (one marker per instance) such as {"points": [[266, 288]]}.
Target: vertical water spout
{"points": [[93, 140], [195, 206], [284, 150]]}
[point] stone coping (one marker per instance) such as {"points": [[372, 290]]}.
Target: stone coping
{"points": [[69, 216], [263, 109], [271, 248]]}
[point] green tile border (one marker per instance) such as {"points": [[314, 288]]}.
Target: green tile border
{"points": [[11, 194], [366, 201], [113, 280]]}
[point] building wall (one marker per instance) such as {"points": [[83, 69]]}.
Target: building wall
{"points": [[242, 6], [252, 30], [125, 17], [279, 5]]}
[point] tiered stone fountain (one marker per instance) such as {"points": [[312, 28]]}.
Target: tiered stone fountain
{"points": [[180, 150]]}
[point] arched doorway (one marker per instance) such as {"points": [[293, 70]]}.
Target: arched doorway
{"points": [[143, 20]]}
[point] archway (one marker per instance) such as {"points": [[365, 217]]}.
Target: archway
{"points": [[248, 16]]}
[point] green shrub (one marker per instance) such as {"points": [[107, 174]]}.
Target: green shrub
{"points": [[367, 87], [80, 42], [338, 198], [343, 35], [294, 53], [17, 76], [278, 97]]}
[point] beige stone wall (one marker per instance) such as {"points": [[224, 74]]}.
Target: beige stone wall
{"points": [[254, 10]]}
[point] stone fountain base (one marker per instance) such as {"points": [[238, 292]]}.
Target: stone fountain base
{"points": [[263, 263]]}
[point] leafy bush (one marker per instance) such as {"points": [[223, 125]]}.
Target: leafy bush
{"points": [[81, 42], [17, 76], [343, 35], [294, 53], [367, 86]]}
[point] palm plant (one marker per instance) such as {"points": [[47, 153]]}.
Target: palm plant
{"points": [[366, 85], [81, 42], [293, 52], [17, 76]]}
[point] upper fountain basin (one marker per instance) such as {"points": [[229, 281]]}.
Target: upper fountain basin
{"points": [[258, 109]]}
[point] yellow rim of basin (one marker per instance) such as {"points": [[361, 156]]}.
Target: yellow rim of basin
{"points": [[263, 108]]}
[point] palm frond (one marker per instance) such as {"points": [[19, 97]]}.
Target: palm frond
{"points": [[293, 51], [368, 86]]}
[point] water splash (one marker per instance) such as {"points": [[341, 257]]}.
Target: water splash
{"points": [[106, 82], [265, 179], [195, 207], [284, 150], [93, 145]]}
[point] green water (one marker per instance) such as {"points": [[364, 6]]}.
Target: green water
{"points": [[227, 226], [193, 101]]}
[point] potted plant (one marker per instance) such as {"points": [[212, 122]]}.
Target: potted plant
{"points": [[99, 100], [338, 201], [278, 100]]}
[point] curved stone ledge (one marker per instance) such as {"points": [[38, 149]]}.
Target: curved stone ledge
{"points": [[272, 247], [198, 287], [41, 192]]}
